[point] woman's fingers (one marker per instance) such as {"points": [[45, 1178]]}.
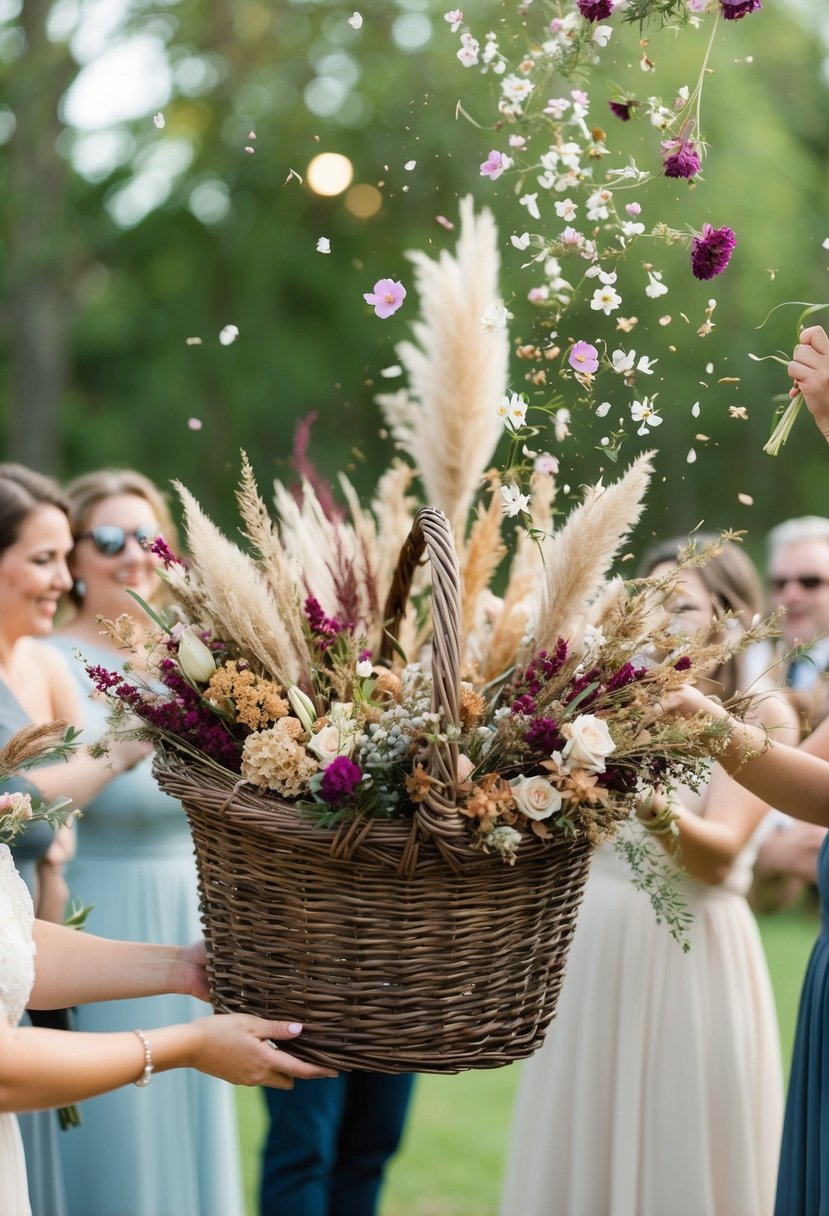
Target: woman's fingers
{"points": [[815, 336]]}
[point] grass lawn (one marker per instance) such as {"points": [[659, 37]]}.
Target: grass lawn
{"points": [[452, 1157]]}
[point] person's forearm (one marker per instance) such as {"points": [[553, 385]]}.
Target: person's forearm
{"points": [[81, 778], [786, 777], [41, 1068], [75, 968], [52, 892]]}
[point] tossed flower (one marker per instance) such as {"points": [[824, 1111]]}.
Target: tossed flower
{"points": [[595, 10], [536, 797], [644, 413], [623, 110], [387, 297], [495, 319], [681, 158], [513, 412], [655, 287], [495, 164], [583, 357], [605, 299], [711, 251], [733, 10], [513, 501]]}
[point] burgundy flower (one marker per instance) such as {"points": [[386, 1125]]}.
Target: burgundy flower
{"points": [[543, 735], [733, 10], [711, 251], [682, 159], [340, 779], [595, 10], [161, 549], [682, 664], [623, 109]]}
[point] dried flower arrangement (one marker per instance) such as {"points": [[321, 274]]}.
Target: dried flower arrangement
{"points": [[268, 665]]}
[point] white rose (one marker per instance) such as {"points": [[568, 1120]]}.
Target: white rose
{"points": [[364, 669], [588, 743], [536, 797], [329, 743]]}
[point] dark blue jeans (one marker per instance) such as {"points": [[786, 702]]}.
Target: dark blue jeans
{"points": [[328, 1143]]}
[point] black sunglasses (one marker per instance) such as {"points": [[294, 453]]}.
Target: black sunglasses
{"points": [[110, 539], [809, 582]]}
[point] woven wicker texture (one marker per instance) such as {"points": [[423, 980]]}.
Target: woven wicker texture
{"points": [[399, 946]]}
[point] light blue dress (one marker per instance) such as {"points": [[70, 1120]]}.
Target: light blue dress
{"points": [[170, 1149]]}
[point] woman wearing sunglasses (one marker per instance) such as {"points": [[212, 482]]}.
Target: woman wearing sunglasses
{"points": [[176, 1153]]}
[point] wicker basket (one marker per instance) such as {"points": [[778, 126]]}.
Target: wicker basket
{"points": [[399, 946]]}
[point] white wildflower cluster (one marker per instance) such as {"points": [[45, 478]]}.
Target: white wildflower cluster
{"points": [[382, 745]]}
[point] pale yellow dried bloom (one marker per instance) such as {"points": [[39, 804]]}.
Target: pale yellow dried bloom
{"points": [[257, 702], [273, 760]]}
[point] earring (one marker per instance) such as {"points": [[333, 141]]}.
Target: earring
{"points": [[79, 588]]}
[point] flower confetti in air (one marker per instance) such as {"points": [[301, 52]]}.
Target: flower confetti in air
{"points": [[445, 223], [520, 242], [192, 341], [495, 319], [250, 151], [323, 245], [711, 251], [356, 21], [389, 373], [387, 297], [158, 120], [409, 165], [583, 357], [513, 501], [228, 335], [495, 164], [195, 424], [746, 500]]}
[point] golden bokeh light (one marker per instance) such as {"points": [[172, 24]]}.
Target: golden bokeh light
{"points": [[363, 201]]}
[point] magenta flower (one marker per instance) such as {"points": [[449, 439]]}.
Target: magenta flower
{"points": [[711, 251], [623, 109], [583, 357], [595, 10], [681, 158], [733, 10], [340, 779], [495, 164], [386, 298]]}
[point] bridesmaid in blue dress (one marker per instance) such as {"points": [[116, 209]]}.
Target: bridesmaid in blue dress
{"points": [[173, 1150], [797, 781]]}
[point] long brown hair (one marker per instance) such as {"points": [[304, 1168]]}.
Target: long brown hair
{"points": [[21, 491], [731, 579]]}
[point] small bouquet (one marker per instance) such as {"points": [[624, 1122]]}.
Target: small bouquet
{"points": [[43, 743]]}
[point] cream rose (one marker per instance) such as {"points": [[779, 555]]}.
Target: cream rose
{"points": [[588, 743], [330, 742], [535, 797]]}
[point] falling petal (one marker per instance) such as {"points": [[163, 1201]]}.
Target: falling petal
{"points": [[323, 245], [193, 341], [695, 410], [409, 165], [195, 424], [445, 223], [666, 320], [691, 457], [746, 500], [158, 119], [250, 150], [355, 21], [228, 335], [390, 372]]}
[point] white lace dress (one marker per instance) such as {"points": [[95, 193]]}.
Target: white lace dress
{"points": [[17, 973]]}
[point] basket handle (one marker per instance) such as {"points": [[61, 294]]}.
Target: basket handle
{"points": [[431, 531]]}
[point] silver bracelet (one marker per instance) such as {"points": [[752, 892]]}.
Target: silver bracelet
{"points": [[147, 1074]]}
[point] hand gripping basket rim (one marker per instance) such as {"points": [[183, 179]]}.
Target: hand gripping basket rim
{"points": [[399, 946]]}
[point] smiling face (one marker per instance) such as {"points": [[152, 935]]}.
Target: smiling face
{"points": [[690, 604], [807, 606], [107, 574], [34, 574]]}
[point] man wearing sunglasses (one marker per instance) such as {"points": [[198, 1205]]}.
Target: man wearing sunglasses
{"points": [[798, 580]]}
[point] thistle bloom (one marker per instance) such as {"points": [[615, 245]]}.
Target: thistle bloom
{"points": [[387, 297], [584, 357], [732, 10], [595, 10], [623, 109], [711, 251], [681, 158]]}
